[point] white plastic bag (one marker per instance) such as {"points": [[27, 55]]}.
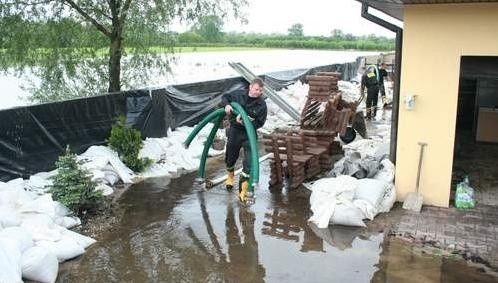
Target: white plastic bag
{"points": [[39, 264]]}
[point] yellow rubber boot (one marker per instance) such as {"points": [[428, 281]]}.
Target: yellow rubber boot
{"points": [[243, 189], [230, 180]]}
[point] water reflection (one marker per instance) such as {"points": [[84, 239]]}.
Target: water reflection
{"points": [[241, 262]]}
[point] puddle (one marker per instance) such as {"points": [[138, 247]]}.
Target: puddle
{"points": [[171, 232]]}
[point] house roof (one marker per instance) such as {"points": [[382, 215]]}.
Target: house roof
{"points": [[394, 8]]}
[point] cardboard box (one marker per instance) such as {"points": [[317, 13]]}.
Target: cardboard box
{"points": [[487, 125]]}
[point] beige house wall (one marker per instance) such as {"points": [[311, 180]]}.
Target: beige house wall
{"points": [[435, 37]]}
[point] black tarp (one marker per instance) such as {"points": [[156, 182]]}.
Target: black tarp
{"points": [[32, 137]]}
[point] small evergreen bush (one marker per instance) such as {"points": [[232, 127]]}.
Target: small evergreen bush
{"points": [[127, 142], [73, 186]]}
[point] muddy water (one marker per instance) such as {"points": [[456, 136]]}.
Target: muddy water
{"points": [[171, 232]]}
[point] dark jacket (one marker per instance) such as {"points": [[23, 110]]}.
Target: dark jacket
{"points": [[255, 108]]}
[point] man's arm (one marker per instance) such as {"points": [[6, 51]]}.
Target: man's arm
{"points": [[260, 119], [226, 99]]}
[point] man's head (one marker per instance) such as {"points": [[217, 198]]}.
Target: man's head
{"points": [[256, 88], [382, 65]]}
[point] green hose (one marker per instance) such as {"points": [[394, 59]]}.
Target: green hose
{"points": [[251, 134], [207, 145], [201, 125]]}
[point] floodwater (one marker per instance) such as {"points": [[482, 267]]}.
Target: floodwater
{"points": [[201, 66], [171, 231]]}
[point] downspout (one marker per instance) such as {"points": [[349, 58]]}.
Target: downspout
{"points": [[397, 73]]}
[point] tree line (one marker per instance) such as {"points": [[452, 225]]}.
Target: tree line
{"points": [[69, 33]]}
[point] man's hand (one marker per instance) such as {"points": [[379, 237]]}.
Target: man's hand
{"points": [[239, 120], [228, 109]]}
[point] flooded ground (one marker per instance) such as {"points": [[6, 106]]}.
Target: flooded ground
{"points": [[173, 232]]}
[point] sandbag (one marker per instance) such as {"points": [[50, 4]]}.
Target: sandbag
{"points": [[64, 249], [39, 265], [10, 261], [9, 217], [42, 204], [19, 236], [41, 227], [388, 199], [348, 215], [82, 240], [105, 189], [67, 221], [386, 171], [371, 190], [368, 210], [327, 194]]}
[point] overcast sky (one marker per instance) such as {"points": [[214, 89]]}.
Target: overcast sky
{"points": [[319, 17]]}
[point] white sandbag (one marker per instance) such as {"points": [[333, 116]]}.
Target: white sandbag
{"points": [[388, 199], [159, 170], [110, 176], [65, 249], [348, 215], [61, 210], [386, 172], [154, 148], [15, 195], [41, 227], [105, 189], [99, 156], [9, 217], [42, 204], [327, 194], [10, 261], [371, 190], [20, 237], [82, 240], [67, 221], [18, 182], [39, 264], [97, 175], [39, 183], [368, 210]]}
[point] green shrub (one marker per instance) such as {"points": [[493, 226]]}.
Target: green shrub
{"points": [[73, 186], [127, 142]]}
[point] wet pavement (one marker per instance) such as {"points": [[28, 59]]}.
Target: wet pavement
{"points": [[170, 231]]}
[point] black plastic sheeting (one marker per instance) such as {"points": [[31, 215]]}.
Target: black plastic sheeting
{"points": [[32, 137]]}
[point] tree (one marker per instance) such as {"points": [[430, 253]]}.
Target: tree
{"points": [[85, 70], [337, 34], [296, 30], [209, 27]]}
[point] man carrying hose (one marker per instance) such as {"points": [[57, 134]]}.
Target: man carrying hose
{"points": [[255, 107]]}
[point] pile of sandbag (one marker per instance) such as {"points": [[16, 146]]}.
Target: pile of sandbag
{"points": [[345, 200], [34, 235], [362, 159]]}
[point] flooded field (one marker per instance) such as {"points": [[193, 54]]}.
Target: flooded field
{"points": [[171, 231]]}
